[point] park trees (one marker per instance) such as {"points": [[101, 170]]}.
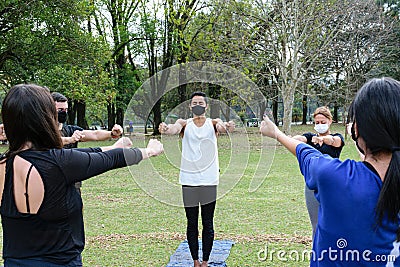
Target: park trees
{"points": [[306, 46], [41, 41], [32, 35], [314, 48], [389, 65], [292, 36], [100, 51], [166, 43], [359, 52], [115, 21], [220, 33]]}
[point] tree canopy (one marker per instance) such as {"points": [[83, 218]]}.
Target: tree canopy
{"points": [[99, 52]]}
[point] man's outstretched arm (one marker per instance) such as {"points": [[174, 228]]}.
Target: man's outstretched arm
{"points": [[224, 127], [171, 129], [102, 135]]}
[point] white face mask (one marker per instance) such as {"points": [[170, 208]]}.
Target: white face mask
{"points": [[321, 128]]}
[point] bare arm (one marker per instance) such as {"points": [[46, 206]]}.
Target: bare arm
{"points": [[123, 142], [268, 128], [329, 140], [154, 147], [334, 141], [76, 137], [224, 127], [171, 129], [96, 135], [68, 140], [101, 135], [301, 138]]}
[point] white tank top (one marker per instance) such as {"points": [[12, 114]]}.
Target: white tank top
{"points": [[199, 163]]}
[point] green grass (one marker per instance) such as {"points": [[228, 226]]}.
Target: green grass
{"points": [[126, 227]]}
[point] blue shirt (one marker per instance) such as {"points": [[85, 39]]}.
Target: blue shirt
{"points": [[347, 232]]}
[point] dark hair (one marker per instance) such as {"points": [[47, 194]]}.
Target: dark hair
{"points": [[57, 97], [198, 93], [376, 110], [29, 115]]}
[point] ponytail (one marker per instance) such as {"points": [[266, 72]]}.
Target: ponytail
{"points": [[389, 197], [376, 110]]}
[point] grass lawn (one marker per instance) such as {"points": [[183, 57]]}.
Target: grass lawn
{"points": [[127, 227]]}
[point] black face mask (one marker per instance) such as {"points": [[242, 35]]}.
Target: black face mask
{"points": [[355, 138], [198, 110], [62, 116]]}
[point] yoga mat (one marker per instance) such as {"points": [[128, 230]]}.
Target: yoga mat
{"points": [[219, 254]]}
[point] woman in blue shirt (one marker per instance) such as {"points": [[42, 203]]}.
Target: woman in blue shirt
{"points": [[358, 222]]}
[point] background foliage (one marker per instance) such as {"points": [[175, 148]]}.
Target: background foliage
{"points": [[300, 53]]}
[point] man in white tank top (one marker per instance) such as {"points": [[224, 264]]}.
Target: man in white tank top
{"points": [[199, 172]]}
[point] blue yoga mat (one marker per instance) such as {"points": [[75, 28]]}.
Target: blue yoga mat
{"points": [[219, 254]]}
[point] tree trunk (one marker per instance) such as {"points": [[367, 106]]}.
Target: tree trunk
{"points": [[182, 77], [214, 93], [263, 106], [111, 116], [214, 108], [156, 117], [305, 109], [182, 93], [288, 99], [80, 114], [71, 113], [335, 112], [227, 114], [275, 105], [119, 116]]}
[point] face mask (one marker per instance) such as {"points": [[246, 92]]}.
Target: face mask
{"points": [[62, 116], [321, 128], [198, 110], [355, 138]]}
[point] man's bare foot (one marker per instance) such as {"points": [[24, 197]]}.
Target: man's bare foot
{"points": [[204, 264], [197, 263]]}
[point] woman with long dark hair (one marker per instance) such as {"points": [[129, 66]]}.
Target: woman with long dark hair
{"points": [[41, 212], [358, 222]]}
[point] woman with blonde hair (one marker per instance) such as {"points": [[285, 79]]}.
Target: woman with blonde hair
{"points": [[327, 143]]}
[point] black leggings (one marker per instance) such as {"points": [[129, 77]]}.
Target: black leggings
{"points": [[206, 197]]}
